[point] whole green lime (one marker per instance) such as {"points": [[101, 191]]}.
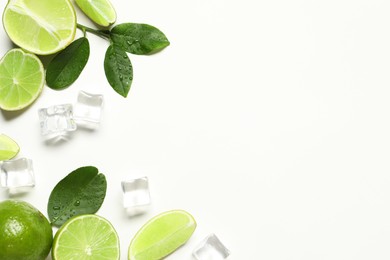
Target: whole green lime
{"points": [[25, 233]]}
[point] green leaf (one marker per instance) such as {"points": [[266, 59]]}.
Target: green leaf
{"points": [[118, 69], [81, 192], [67, 65], [138, 38]]}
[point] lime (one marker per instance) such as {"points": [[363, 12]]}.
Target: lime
{"points": [[21, 79], [8, 148], [100, 11], [40, 26], [162, 235], [25, 234], [86, 237]]}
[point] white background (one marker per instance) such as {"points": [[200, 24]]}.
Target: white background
{"points": [[267, 120]]}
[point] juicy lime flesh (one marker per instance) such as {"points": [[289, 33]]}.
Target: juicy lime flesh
{"points": [[86, 237], [25, 234], [40, 26], [8, 148], [162, 235], [21, 79], [100, 11]]}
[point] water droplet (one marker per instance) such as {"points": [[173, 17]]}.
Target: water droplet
{"points": [[77, 203], [120, 77], [56, 208], [128, 42]]}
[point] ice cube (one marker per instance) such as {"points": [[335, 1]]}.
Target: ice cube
{"points": [[57, 121], [88, 109], [211, 248], [136, 196], [17, 175]]}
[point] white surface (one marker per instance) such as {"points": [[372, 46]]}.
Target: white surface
{"points": [[267, 120]]}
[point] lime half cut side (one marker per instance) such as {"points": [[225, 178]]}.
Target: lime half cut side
{"points": [[8, 148], [86, 237], [22, 78], [40, 26], [162, 235], [99, 11]]}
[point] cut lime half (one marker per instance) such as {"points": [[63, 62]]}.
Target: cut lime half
{"points": [[22, 77], [86, 237], [8, 148], [40, 26], [162, 235], [99, 11]]}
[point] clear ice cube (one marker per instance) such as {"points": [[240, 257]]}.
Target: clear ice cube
{"points": [[88, 109], [57, 121], [136, 196], [17, 175], [211, 248]]}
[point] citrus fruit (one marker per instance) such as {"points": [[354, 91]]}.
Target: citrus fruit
{"points": [[8, 148], [162, 235], [22, 77], [99, 11], [25, 234], [86, 237], [40, 26]]}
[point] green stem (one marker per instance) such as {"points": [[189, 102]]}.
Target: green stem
{"points": [[101, 33]]}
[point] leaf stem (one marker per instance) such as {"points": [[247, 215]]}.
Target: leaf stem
{"points": [[105, 34]]}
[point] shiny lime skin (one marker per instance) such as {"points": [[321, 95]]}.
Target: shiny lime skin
{"points": [[25, 233]]}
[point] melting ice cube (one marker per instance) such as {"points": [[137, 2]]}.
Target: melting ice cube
{"points": [[136, 195], [88, 109], [17, 175], [211, 248], [56, 121]]}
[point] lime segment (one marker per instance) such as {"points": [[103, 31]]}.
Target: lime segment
{"points": [[162, 235], [86, 237], [8, 148], [100, 11], [40, 26], [21, 79]]}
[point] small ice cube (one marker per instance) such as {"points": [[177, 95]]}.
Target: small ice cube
{"points": [[136, 196], [87, 111], [17, 175], [211, 248], [56, 121]]}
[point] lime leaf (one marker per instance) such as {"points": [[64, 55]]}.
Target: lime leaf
{"points": [[8, 148], [118, 69], [67, 65], [81, 192], [162, 235], [139, 39]]}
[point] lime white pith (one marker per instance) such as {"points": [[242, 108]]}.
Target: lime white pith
{"points": [[22, 78], [86, 237], [40, 26], [100, 11]]}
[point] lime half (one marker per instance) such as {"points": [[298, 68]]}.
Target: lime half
{"points": [[99, 11], [86, 237], [21, 79], [40, 26], [8, 148], [162, 235]]}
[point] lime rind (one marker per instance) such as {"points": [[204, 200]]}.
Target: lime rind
{"points": [[8, 148], [22, 78], [101, 12], [162, 235]]}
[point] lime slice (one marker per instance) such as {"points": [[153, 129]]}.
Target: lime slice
{"points": [[21, 79], [86, 237], [40, 26], [8, 148], [162, 235], [100, 11]]}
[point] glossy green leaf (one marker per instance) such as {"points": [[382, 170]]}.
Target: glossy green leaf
{"points": [[81, 192], [118, 69], [67, 65], [138, 38]]}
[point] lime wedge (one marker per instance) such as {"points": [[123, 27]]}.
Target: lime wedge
{"points": [[162, 235], [86, 237], [40, 26], [8, 148], [21, 79], [99, 11]]}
